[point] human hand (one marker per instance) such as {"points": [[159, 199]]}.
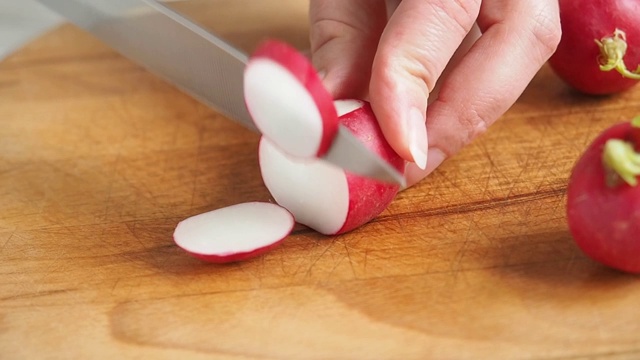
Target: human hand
{"points": [[405, 60]]}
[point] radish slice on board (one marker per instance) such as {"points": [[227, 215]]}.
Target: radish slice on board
{"points": [[288, 102], [234, 233]]}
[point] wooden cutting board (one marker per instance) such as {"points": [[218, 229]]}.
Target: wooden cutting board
{"points": [[99, 160]]}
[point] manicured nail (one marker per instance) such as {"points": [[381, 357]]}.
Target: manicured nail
{"points": [[436, 158], [414, 175], [418, 141]]}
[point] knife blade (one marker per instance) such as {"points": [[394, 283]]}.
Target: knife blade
{"points": [[198, 62]]}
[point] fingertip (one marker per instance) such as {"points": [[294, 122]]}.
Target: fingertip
{"points": [[400, 102], [413, 51], [414, 174], [417, 135]]}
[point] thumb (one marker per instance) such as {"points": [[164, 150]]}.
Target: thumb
{"points": [[418, 42], [344, 35]]}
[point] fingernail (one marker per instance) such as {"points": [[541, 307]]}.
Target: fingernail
{"points": [[436, 158], [414, 175], [418, 141]]}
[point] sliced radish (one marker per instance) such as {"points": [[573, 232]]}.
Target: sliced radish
{"points": [[346, 106], [234, 233], [288, 102], [317, 193], [323, 196]]}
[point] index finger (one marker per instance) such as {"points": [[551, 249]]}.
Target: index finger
{"points": [[344, 35]]}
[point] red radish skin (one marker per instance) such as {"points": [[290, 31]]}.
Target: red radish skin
{"points": [[634, 133], [234, 233], [603, 211], [375, 196], [578, 57], [288, 102], [322, 196]]}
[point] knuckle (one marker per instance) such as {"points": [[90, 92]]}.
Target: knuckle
{"points": [[457, 129], [462, 13], [546, 31], [424, 64], [426, 72], [324, 30], [409, 64], [474, 125]]}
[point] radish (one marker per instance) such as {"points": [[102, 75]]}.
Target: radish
{"points": [[324, 197], [599, 52], [298, 120], [234, 233], [288, 102], [603, 198]]}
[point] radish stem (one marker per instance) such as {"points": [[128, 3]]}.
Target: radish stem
{"points": [[620, 157], [612, 51]]}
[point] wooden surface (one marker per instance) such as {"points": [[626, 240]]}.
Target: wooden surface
{"points": [[99, 160]]}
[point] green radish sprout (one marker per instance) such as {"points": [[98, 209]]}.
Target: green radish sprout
{"points": [[622, 160], [612, 51]]}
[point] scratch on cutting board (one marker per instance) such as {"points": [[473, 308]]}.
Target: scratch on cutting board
{"points": [[492, 168], [458, 187], [196, 164], [478, 206], [254, 274], [457, 262], [111, 185], [6, 242], [315, 261], [366, 257], [335, 266], [351, 261], [36, 294], [529, 156]]}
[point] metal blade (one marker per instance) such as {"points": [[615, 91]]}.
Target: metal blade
{"points": [[199, 63], [350, 154], [169, 45]]}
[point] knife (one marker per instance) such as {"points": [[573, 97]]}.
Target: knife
{"points": [[199, 63]]}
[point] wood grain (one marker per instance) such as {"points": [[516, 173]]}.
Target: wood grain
{"points": [[99, 160]]}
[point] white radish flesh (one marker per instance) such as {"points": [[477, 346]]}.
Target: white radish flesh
{"points": [[323, 196], [233, 233], [345, 106], [315, 191], [287, 101]]}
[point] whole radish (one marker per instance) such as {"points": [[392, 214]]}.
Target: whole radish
{"points": [[599, 52], [603, 198]]}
